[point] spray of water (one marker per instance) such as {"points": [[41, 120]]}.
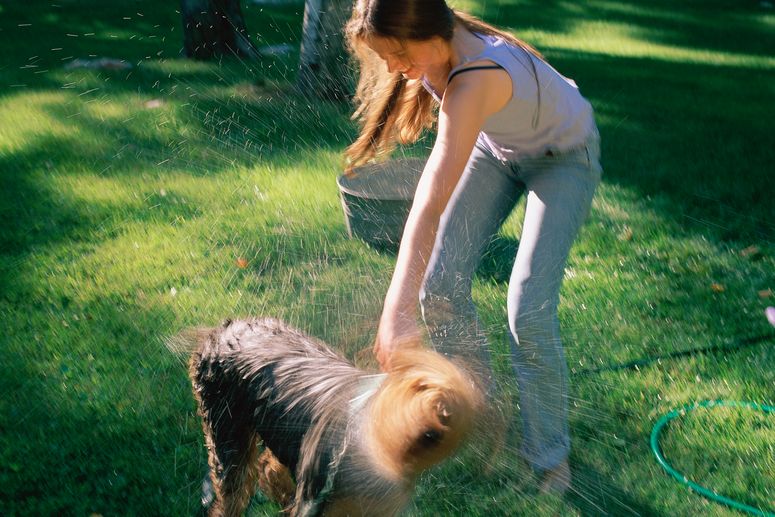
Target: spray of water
{"points": [[228, 207]]}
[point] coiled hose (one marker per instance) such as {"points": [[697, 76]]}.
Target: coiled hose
{"points": [[682, 478]]}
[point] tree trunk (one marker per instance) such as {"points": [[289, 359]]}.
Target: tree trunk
{"points": [[324, 65], [215, 28]]}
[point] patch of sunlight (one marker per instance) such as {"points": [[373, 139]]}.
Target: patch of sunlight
{"points": [[111, 108], [305, 163], [120, 108], [611, 206], [178, 67], [143, 259], [624, 40], [297, 177], [173, 187], [89, 188], [644, 222], [766, 20], [26, 117]]}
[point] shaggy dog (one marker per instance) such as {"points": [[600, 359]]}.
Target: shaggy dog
{"points": [[336, 440]]}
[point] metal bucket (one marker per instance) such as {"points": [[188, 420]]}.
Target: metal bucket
{"points": [[376, 199]]}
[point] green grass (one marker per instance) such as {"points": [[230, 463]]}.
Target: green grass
{"points": [[122, 224]]}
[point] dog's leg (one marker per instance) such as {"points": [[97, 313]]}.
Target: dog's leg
{"points": [[233, 457], [230, 437], [274, 479]]}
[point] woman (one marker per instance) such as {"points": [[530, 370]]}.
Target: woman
{"points": [[508, 125]]}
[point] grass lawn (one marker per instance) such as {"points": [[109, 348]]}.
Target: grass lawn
{"points": [[122, 222]]}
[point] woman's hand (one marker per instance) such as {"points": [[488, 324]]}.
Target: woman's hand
{"points": [[395, 331], [467, 103]]}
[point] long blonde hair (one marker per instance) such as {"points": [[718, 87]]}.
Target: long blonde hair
{"points": [[389, 109]]}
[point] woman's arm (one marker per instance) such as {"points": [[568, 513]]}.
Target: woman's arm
{"points": [[468, 101]]}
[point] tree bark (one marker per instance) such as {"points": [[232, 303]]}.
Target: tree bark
{"points": [[324, 65], [215, 28]]}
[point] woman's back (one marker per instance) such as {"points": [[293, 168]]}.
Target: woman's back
{"points": [[546, 112]]}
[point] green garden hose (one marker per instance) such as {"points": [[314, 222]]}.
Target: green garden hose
{"points": [[683, 479]]}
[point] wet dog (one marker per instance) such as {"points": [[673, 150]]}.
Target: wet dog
{"points": [[284, 412]]}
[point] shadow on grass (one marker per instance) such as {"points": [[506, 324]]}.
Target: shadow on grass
{"points": [[685, 139], [41, 37], [594, 493], [498, 259], [82, 435]]}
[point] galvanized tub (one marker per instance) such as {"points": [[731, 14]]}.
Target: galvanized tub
{"points": [[376, 199]]}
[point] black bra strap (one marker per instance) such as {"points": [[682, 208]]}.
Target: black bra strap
{"points": [[489, 67]]}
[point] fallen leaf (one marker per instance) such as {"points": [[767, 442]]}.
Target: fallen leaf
{"points": [[765, 293], [750, 252], [717, 288], [242, 263]]}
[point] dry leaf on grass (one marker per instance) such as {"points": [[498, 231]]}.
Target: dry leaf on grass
{"points": [[626, 234], [751, 251]]}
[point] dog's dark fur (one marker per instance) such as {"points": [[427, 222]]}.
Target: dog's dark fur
{"points": [[353, 442]]}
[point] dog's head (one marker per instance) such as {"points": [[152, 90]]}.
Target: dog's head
{"points": [[422, 411]]}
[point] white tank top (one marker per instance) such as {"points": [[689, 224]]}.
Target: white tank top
{"points": [[562, 119]]}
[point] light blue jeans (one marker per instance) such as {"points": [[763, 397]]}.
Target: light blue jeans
{"points": [[559, 189]]}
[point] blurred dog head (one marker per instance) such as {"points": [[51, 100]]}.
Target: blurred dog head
{"points": [[422, 411]]}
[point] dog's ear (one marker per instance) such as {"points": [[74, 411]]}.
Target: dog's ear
{"points": [[187, 341]]}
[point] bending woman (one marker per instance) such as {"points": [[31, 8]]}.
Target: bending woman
{"points": [[508, 125]]}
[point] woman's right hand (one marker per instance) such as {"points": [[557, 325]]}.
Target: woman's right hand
{"points": [[395, 331]]}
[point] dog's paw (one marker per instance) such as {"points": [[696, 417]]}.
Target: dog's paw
{"points": [[208, 492]]}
